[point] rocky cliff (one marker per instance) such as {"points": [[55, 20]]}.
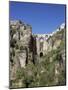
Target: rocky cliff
{"points": [[36, 60]]}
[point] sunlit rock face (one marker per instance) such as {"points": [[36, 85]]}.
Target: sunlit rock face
{"points": [[22, 58], [20, 41]]}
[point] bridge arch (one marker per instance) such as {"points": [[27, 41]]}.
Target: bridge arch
{"points": [[41, 54]]}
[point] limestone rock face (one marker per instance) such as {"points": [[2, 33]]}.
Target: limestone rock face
{"points": [[22, 58], [20, 41]]}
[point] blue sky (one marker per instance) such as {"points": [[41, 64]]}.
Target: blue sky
{"points": [[44, 18]]}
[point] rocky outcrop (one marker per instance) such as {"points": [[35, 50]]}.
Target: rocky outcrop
{"points": [[20, 41]]}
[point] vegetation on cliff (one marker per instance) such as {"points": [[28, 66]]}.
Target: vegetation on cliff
{"points": [[47, 70]]}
